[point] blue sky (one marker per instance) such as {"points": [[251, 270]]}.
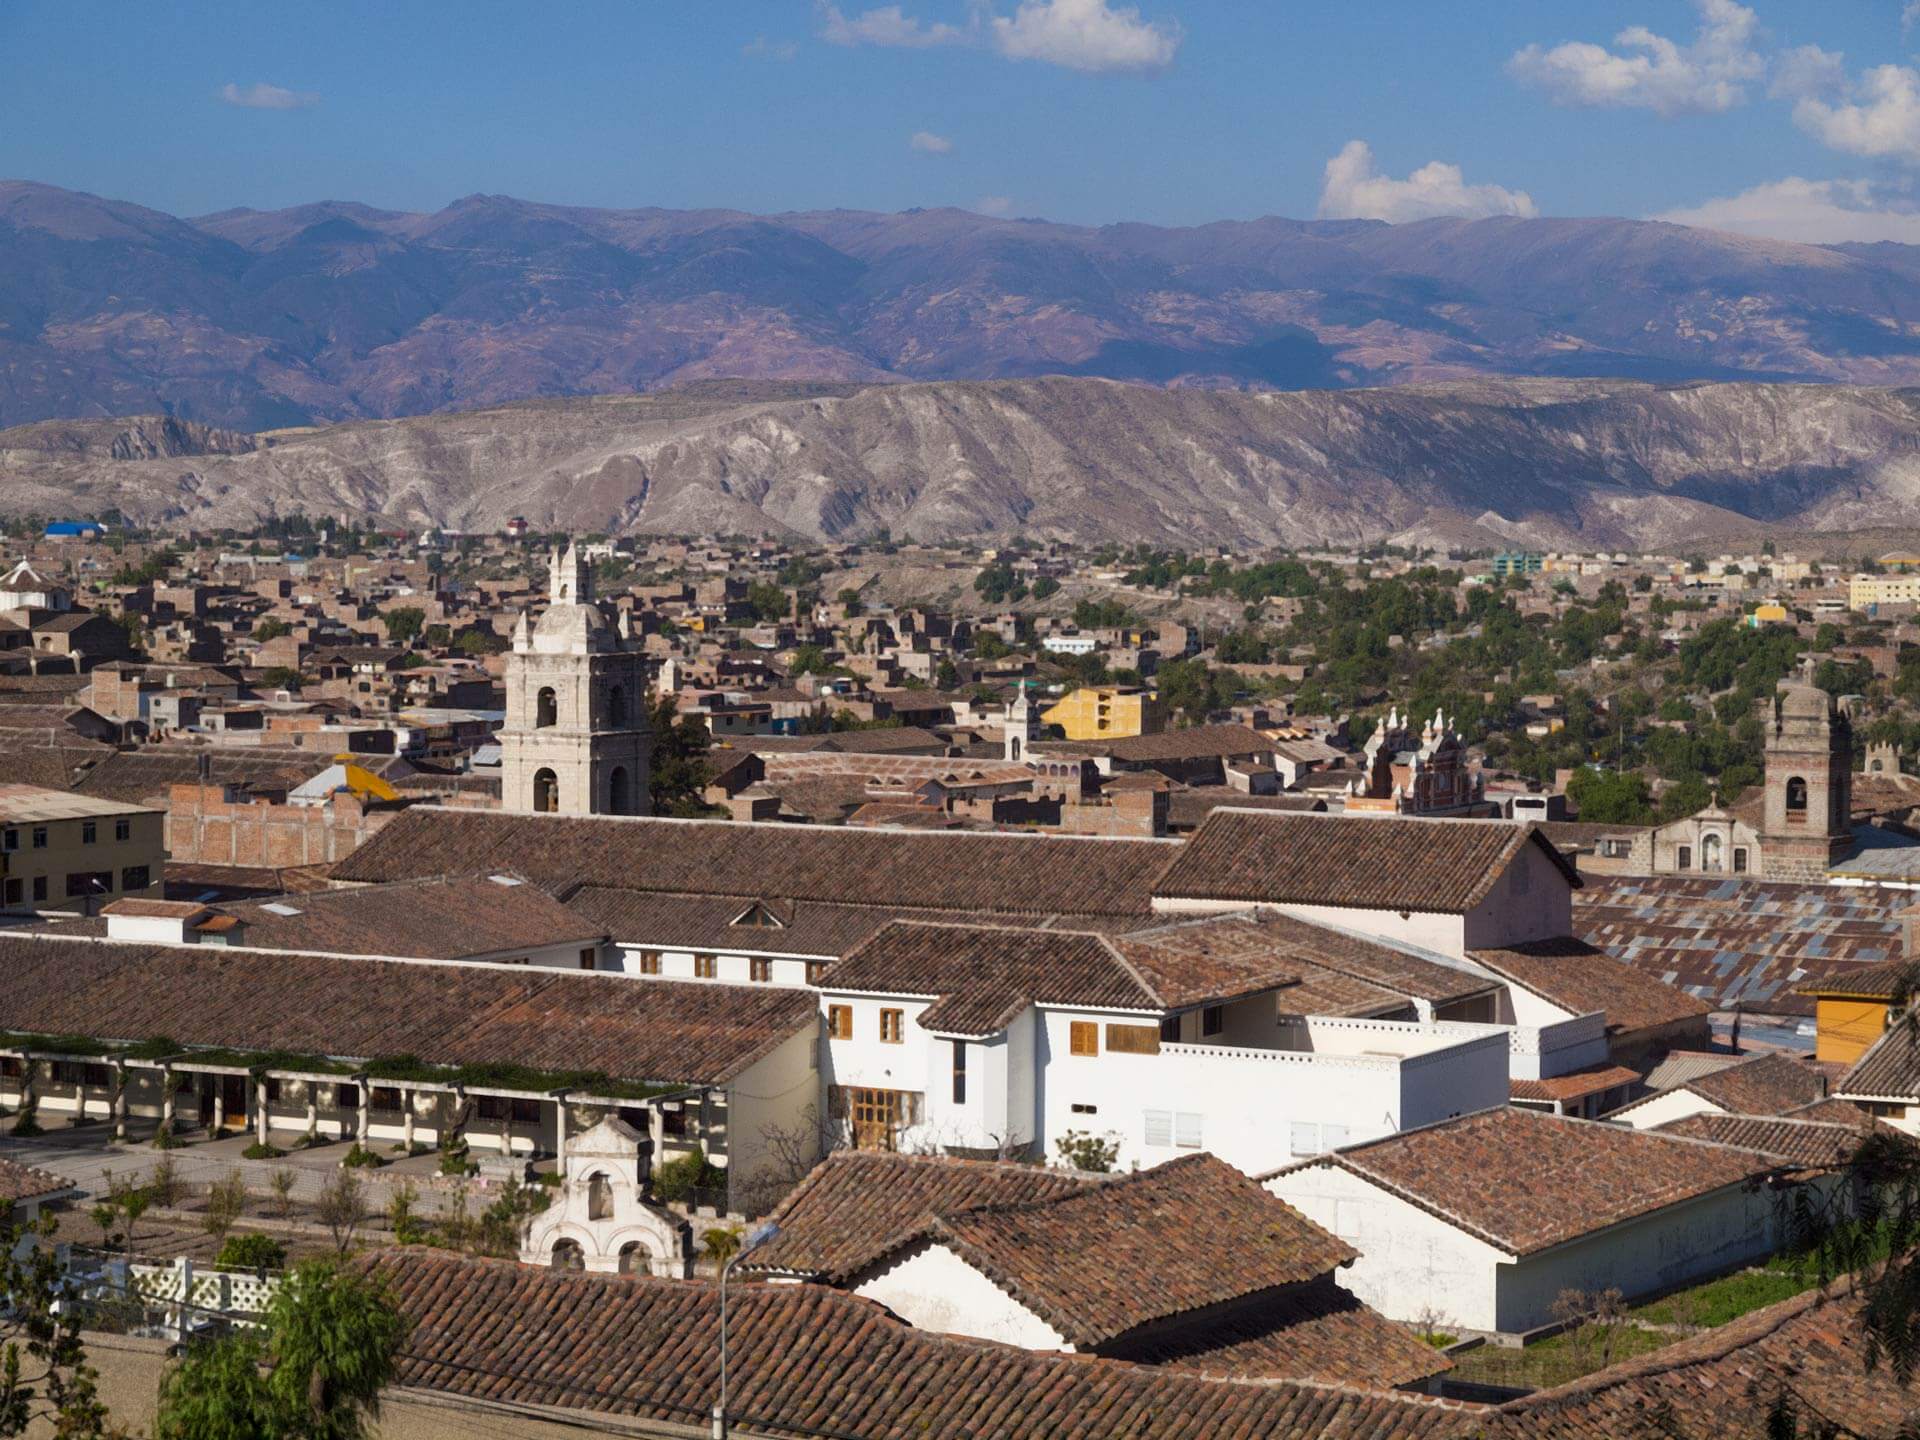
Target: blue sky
{"points": [[1793, 118]]}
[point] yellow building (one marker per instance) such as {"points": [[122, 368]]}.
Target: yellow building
{"points": [[1865, 590], [1771, 612], [1108, 712], [1853, 1010], [60, 851]]}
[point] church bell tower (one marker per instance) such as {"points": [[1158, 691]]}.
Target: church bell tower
{"points": [[576, 741]]}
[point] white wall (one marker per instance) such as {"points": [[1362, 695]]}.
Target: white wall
{"points": [[931, 1288], [773, 1105], [1531, 901], [732, 967], [1657, 1110]]}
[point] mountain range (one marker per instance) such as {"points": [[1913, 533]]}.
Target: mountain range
{"points": [[338, 311], [1611, 463]]}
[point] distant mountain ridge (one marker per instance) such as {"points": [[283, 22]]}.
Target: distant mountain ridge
{"points": [[1588, 463], [334, 311]]}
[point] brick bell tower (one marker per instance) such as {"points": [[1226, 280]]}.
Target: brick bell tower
{"points": [[1807, 823], [576, 741]]}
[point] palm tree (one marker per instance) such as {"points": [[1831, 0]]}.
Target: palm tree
{"points": [[722, 1244]]}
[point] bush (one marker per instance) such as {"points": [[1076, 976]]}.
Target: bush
{"points": [[257, 1151], [252, 1252], [1084, 1150], [675, 1181], [163, 1138], [453, 1159], [361, 1158]]}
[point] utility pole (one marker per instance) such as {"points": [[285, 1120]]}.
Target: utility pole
{"points": [[756, 1237]]}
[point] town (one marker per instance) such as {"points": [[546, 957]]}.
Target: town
{"points": [[1314, 993]]}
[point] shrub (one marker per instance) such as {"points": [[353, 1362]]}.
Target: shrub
{"points": [[1084, 1150], [163, 1138], [361, 1158], [676, 1180], [252, 1252], [27, 1124], [453, 1159], [257, 1151]]}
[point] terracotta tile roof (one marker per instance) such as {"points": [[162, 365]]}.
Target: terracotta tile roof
{"points": [[1594, 1080], [1371, 863], [1767, 1084], [1865, 982], [1317, 1331], [1890, 1070], [437, 919], [1195, 742], [1579, 978], [1811, 1143], [24, 1182], [1739, 942], [652, 1031], [1722, 1384], [1006, 874], [858, 1205], [1835, 1112], [136, 775], [1525, 1181], [1204, 1232], [805, 1360], [1187, 808]]}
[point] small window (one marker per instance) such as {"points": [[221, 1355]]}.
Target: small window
{"points": [[89, 882], [384, 1100], [39, 837], [649, 962], [706, 967], [1134, 1039], [893, 1026], [1186, 1130], [1213, 1019], [1084, 1038], [840, 1021], [760, 969], [1170, 1030], [1080, 1109], [586, 959], [815, 969], [9, 839], [1740, 860], [1159, 1129], [89, 832], [959, 1072], [39, 887], [123, 829], [1683, 858], [1796, 798]]}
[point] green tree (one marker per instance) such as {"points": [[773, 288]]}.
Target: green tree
{"points": [[46, 1385], [314, 1372], [1610, 797], [680, 767], [1045, 587], [271, 629], [404, 624]]}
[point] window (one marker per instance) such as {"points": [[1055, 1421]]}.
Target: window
{"points": [[546, 792], [89, 832], [1159, 1129], [1213, 1019], [89, 882], [959, 1072], [39, 887], [1080, 1109], [599, 1197], [877, 1116], [384, 1100], [14, 893], [546, 709], [619, 792], [135, 877], [9, 839], [840, 1021], [1796, 799], [586, 959], [760, 968], [1683, 858], [346, 1097], [893, 1027], [123, 829], [1740, 860], [1084, 1038], [649, 962], [1186, 1130], [1170, 1030], [39, 837], [706, 967], [1133, 1039], [815, 969]]}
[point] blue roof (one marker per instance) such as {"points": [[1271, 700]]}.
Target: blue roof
{"points": [[73, 527]]}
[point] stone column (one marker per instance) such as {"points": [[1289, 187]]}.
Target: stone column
{"points": [[408, 1099], [506, 1128], [262, 1121], [166, 1098], [119, 1101], [364, 1119], [560, 1126], [219, 1104], [313, 1109]]}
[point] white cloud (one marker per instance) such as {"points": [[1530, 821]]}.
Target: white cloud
{"points": [[888, 25], [1814, 212], [1354, 190], [267, 97], [1649, 71], [763, 48], [1085, 35], [1880, 115], [928, 143], [1808, 72], [1909, 15], [994, 205]]}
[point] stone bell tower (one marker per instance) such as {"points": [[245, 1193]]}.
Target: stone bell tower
{"points": [[1807, 823], [576, 741]]}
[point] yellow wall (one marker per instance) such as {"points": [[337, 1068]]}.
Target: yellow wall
{"points": [[1103, 712], [1847, 1028]]}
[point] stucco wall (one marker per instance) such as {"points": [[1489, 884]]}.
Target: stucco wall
{"points": [[931, 1288]]}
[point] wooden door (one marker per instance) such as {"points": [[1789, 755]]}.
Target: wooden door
{"points": [[876, 1118]]}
